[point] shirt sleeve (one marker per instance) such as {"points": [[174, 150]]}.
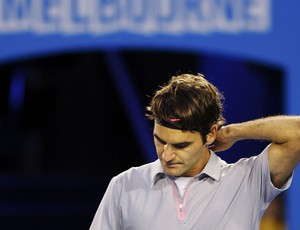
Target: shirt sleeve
{"points": [[108, 214], [270, 188], [261, 178]]}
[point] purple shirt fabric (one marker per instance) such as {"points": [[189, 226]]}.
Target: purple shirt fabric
{"points": [[223, 196]]}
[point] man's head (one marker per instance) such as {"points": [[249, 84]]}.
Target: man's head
{"points": [[188, 102]]}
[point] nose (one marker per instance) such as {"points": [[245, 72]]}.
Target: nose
{"points": [[168, 153]]}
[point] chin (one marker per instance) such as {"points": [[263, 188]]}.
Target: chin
{"points": [[172, 172]]}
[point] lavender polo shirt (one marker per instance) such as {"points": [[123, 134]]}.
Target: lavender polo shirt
{"points": [[223, 196]]}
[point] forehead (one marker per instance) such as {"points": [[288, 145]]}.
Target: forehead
{"points": [[175, 135]]}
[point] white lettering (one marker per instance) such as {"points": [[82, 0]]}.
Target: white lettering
{"points": [[230, 15], [136, 16], [167, 14], [104, 16], [200, 16], [73, 16], [139, 16], [258, 15], [44, 16], [14, 16]]}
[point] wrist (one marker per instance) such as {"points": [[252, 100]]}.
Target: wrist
{"points": [[233, 132]]}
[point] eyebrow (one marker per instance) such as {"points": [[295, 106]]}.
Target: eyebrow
{"points": [[174, 144]]}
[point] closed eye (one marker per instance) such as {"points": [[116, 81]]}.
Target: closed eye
{"points": [[181, 145], [160, 140]]}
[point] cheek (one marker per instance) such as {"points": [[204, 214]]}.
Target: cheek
{"points": [[192, 155]]}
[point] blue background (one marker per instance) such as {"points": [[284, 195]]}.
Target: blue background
{"points": [[280, 46]]}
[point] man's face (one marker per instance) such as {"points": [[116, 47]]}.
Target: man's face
{"points": [[181, 153]]}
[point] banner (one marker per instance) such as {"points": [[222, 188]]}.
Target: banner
{"points": [[100, 17], [29, 27]]}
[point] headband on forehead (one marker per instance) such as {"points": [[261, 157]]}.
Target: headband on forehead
{"points": [[172, 123], [168, 124]]}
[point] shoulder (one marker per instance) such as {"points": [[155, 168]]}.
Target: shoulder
{"points": [[260, 160], [138, 175], [255, 166]]}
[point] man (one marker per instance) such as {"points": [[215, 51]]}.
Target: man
{"points": [[189, 187]]}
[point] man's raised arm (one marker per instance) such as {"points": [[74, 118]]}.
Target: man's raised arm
{"points": [[282, 131]]}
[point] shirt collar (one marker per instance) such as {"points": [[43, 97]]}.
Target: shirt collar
{"points": [[157, 172], [212, 169]]}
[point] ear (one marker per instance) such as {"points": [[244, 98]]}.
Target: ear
{"points": [[211, 136]]}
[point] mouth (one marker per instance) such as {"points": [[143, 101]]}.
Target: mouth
{"points": [[172, 164]]}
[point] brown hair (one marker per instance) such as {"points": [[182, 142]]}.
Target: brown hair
{"points": [[187, 102]]}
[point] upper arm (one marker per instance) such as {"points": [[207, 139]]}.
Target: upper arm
{"points": [[283, 159], [108, 213]]}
